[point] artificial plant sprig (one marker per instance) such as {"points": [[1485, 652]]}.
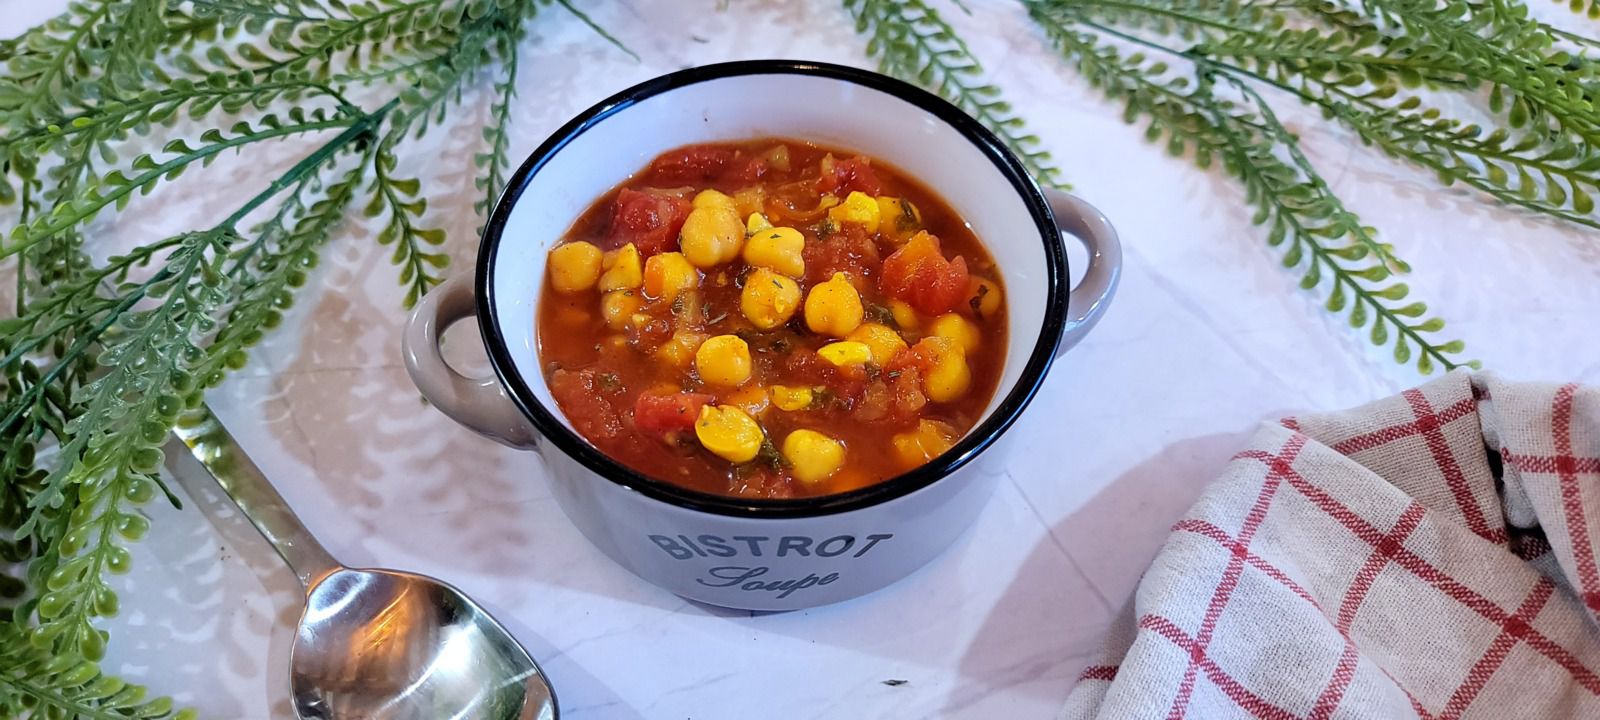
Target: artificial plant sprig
{"points": [[99, 356], [1323, 241], [1375, 68], [914, 43]]}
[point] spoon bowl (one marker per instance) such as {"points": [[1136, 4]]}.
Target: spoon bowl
{"points": [[384, 645], [376, 644]]}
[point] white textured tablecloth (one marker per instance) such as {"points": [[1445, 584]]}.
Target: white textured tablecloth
{"points": [[1207, 337]]}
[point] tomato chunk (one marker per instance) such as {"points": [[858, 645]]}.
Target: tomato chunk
{"points": [[919, 274], [650, 221], [753, 169], [847, 250], [855, 174], [657, 413], [580, 396], [694, 162]]}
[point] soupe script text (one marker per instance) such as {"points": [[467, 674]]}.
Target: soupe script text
{"points": [[753, 577]]}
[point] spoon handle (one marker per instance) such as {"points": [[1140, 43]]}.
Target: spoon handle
{"points": [[244, 483]]}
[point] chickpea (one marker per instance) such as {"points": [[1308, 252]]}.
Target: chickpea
{"points": [[858, 207], [667, 275], [777, 248], [712, 234], [723, 360], [813, 457], [768, 299], [618, 306], [964, 332], [729, 433], [882, 340], [623, 271], [834, 307], [574, 267]]}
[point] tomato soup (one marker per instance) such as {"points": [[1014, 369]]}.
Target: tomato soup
{"points": [[771, 319]]}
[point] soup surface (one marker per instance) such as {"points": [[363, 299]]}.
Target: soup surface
{"points": [[771, 319]]}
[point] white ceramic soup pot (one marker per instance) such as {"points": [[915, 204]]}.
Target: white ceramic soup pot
{"points": [[747, 553]]}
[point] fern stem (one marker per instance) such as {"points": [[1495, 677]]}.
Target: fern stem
{"points": [[25, 237], [1381, 312], [1349, 120], [74, 709], [249, 9], [57, 68], [361, 127]]}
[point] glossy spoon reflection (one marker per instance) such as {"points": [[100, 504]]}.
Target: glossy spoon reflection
{"points": [[377, 644]]}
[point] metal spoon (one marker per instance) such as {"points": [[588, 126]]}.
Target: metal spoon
{"points": [[376, 644]]}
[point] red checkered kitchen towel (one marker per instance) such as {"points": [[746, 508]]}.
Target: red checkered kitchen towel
{"points": [[1431, 555]]}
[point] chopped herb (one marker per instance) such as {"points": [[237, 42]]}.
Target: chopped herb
{"points": [[881, 315], [717, 319], [777, 284], [821, 397], [825, 228], [677, 305], [908, 219], [892, 374], [896, 682], [977, 299], [769, 455], [873, 371], [627, 293], [609, 382], [780, 345]]}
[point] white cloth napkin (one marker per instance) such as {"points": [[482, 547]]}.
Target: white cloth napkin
{"points": [[1429, 555]]}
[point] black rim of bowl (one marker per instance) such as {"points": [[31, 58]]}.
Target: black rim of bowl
{"points": [[975, 442]]}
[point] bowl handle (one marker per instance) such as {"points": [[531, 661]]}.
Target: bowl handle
{"points": [[481, 404], [1087, 302]]}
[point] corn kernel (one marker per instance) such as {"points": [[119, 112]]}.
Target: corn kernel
{"points": [[834, 307], [790, 398], [904, 315], [666, 275], [622, 269], [574, 267], [858, 207], [618, 306], [756, 223], [680, 349], [728, 432], [964, 332], [813, 457], [983, 296], [846, 352], [723, 360], [947, 377], [752, 400], [768, 299], [898, 218], [778, 248], [928, 441], [881, 339], [712, 234], [712, 199]]}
